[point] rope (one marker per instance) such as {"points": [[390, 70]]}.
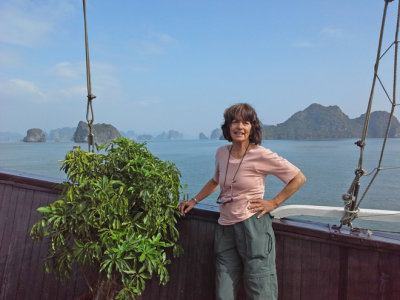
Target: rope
{"points": [[393, 102], [349, 216], [384, 89], [351, 197], [90, 96]]}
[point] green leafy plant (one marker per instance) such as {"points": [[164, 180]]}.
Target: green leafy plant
{"points": [[116, 216]]}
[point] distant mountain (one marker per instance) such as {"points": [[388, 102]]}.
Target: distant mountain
{"points": [[174, 135], [130, 134], [144, 137], [10, 137], [171, 135], [216, 134], [62, 134], [377, 124], [162, 136], [202, 136], [328, 122]]}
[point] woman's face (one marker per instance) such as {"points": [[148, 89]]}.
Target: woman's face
{"points": [[240, 130]]}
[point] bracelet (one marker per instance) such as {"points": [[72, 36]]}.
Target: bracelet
{"points": [[195, 200]]}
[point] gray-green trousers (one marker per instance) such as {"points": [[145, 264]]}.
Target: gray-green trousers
{"points": [[246, 248]]}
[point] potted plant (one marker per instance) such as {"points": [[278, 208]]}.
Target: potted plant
{"points": [[116, 216]]}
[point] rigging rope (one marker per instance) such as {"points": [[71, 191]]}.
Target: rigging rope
{"points": [[351, 197], [90, 96]]}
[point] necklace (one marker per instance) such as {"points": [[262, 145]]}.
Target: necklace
{"points": [[234, 176]]}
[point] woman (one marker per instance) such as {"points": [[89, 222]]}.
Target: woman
{"points": [[244, 240]]}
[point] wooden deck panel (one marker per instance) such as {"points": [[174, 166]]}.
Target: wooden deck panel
{"points": [[16, 247], [280, 254], [364, 284], [205, 264], [5, 194], [343, 273], [21, 273], [2, 191], [34, 284], [31, 254], [198, 264], [5, 253], [313, 261], [389, 267], [290, 287], [329, 256], [320, 264], [48, 284], [310, 264], [4, 216]]}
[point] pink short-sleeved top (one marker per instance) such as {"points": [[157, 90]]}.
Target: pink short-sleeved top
{"points": [[249, 182]]}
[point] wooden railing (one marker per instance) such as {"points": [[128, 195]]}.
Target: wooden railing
{"points": [[314, 261]]}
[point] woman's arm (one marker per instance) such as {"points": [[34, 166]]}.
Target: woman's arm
{"points": [[207, 190], [265, 206]]}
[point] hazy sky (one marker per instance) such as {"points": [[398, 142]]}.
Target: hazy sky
{"points": [[159, 65]]}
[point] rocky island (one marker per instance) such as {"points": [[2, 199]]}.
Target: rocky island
{"points": [[103, 133], [202, 136], [216, 134], [329, 122], [171, 135], [62, 134], [144, 137], [34, 135]]}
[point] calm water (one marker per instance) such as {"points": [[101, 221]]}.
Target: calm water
{"points": [[328, 165]]}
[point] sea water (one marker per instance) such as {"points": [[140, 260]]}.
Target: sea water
{"points": [[328, 165]]}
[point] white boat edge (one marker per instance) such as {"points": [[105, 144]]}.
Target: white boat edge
{"points": [[334, 212]]}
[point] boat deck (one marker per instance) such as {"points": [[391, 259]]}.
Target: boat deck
{"points": [[314, 261]]}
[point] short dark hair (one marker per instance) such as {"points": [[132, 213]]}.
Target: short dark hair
{"points": [[247, 112]]}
